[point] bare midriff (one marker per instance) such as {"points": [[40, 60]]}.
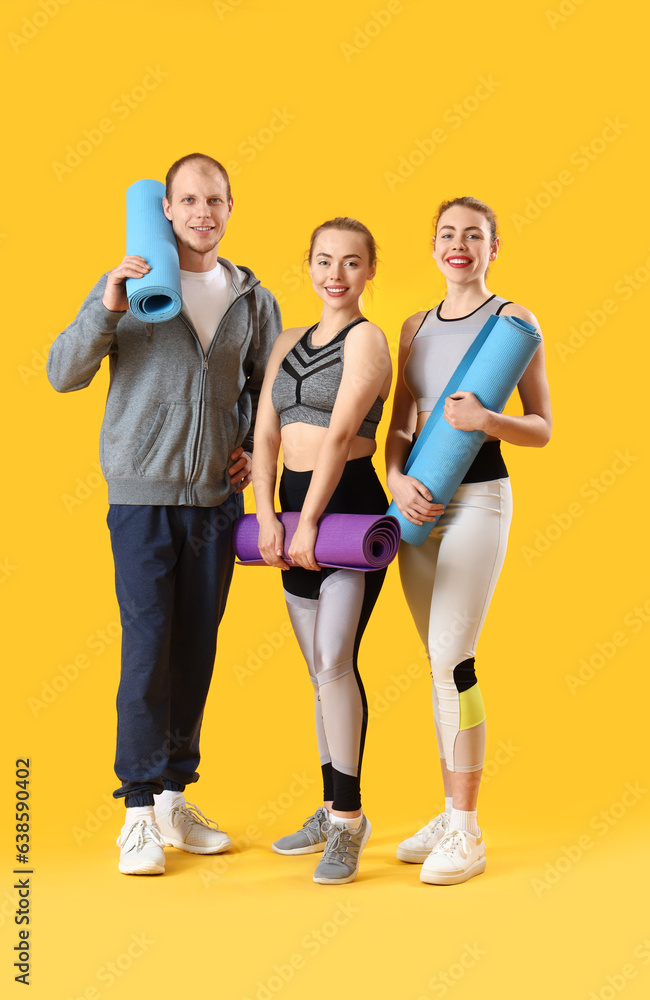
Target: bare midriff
{"points": [[302, 442], [422, 419]]}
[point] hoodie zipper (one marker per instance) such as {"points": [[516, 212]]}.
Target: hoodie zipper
{"points": [[198, 432]]}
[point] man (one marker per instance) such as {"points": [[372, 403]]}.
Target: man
{"points": [[175, 446]]}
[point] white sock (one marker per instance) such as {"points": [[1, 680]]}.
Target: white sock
{"points": [[448, 806], [461, 819], [167, 798], [134, 813], [347, 822]]}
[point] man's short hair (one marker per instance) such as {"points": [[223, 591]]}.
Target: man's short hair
{"points": [[205, 161]]}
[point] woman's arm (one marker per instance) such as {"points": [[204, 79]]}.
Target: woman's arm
{"points": [[533, 429], [411, 496], [366, 375], [265, 456]]}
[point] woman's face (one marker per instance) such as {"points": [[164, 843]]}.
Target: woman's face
{"points": [[462, 248], [340, 267]]}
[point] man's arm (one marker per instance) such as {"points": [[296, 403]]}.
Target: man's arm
{"points": [[77, 353]]}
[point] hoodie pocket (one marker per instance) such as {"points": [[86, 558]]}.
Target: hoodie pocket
{"points": [[164, 453]]}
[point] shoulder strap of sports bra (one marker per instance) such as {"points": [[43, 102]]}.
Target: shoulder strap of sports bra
{"points": [[346, 329], [341, 335]]}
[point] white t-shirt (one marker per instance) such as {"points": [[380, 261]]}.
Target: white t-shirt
{"points": [[206, 296]]}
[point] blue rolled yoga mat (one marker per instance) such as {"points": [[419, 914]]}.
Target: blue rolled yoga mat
{"points": [[491, 369], [156, 297]]}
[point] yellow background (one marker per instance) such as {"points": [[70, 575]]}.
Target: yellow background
{"points": [[560, 910]]}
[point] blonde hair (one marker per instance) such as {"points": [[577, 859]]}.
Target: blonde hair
{"points": [[345, 224]]}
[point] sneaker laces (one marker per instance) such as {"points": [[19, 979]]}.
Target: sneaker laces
{"points": [[190, 812], [454, 839], [315, 825], [431, 827], [143, 832], [338, 838]]}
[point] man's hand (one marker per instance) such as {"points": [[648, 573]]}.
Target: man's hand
{"points": [[115, 297], [240, 472]]}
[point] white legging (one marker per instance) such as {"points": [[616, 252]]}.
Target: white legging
{"points": [[448, 584]]}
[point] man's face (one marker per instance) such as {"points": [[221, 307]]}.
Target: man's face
{"points": [[198, 209]]}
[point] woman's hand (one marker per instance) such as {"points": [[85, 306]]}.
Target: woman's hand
{"points": [[413, 499], [301, 550], [464, 412], [271, 542]]}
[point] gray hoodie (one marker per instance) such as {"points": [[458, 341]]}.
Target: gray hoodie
{"points": [[173, 414]]}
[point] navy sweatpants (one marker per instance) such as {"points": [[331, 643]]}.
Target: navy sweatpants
{"points": [[173, 567]]}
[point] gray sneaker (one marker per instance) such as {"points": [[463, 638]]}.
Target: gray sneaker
{"points": [[340, 861], [310, 840]]}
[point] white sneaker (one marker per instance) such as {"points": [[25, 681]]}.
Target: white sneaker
{"points": [[418, 847], [141, 848], [456, 858], [183, 825]]}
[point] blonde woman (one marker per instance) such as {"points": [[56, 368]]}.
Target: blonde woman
{"points": [[322, 399]]}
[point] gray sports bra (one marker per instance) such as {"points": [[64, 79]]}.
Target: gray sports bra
{"points": [[438, 347], [308, 380]]}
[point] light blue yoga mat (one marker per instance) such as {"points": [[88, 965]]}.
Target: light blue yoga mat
{"points": [[156, 297], [491, 369]]}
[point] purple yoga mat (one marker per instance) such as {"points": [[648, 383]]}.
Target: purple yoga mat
{"points": [[345, 541]]}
